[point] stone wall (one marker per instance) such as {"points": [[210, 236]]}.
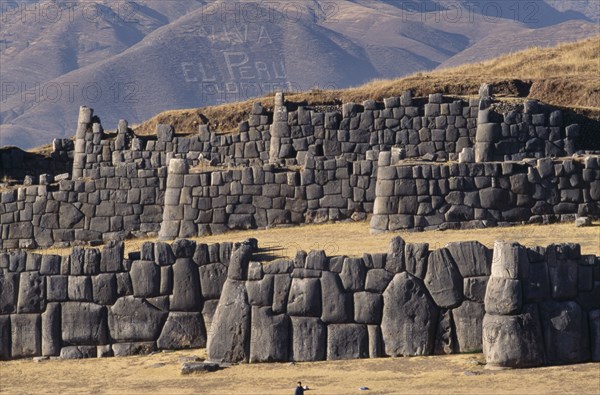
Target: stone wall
{"points": [[100, 303], [116, 202], [542, 307], [410, 301], [27, 167], [522, 306], [263, 196], [451, 195]]}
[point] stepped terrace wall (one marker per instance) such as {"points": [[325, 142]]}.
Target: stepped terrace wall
{"points": [[117, 201], [409, 301], [101, 303], [453, 195], [263, 196]]}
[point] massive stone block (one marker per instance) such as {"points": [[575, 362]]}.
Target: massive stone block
{"points": [[509, 260], [514, 341], [112, 256], [337, 304], [182, 330], [415, 255], [104, 288], [238, 263], [409, 317], [212, 278], [594, 320], [186, 286], [353, 274], [377, 280], [536, 286], [134, 320], [471, 257], [474, 288], [5, 337], [503, 296], [395, 258], [468, 321], [309, 339], [281, 289], [51, 330], [32, 293], [443, 279], [305, 297], [83, 324], [563, 272], [145, 278], [26, 335], [565, 332], [269, 336], [260, 292], [367, 307], [347, 341], [9, 289], [228, 339]]}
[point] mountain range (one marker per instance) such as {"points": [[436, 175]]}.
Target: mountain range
{"points": [[132, 60]]}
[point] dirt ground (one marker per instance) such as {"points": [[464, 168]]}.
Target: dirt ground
{"points": [[160, 374]]}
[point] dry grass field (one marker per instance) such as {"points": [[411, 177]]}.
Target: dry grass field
{"points": [[566, 75], [354, 238], [159, 374]]}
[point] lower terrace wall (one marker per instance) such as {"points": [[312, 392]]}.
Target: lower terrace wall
{"points": [[409, 301], [453, 195], [101, 303]]}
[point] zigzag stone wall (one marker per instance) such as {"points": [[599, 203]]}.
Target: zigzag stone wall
{"points": [[522, 306], [100, 303], [451, 195]]}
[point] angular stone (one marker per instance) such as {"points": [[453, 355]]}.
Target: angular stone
{"points": [[229, 338], [468, 321], [133, 348], [309, 339], [208, 312], [80, 289], [409, 317], [91, 261], [182, 330], [260, 292], [509, 260], [5, 337], [367, 308], [112, 256], [183, 248], [395, 258], [281, 289], [104, 288], [494, 198], [26, 335], [163, 254], [51, 330], [32, 293], [69, 216], [186, 286], [474, 288], [347, 341], [50, 265], [337, 304], [131, 319], [563, 273], [269, 336], [353, 274], [78, 352], [305, 297], [375, 341], [513, 341], [145, 278], [594, 321], [9, 289], [503, 296], [443, 280], [316, 260], [415, 255], [377, 280], [471, 257], [239, 261], [83, 324], [565, 332], [212, 278]]}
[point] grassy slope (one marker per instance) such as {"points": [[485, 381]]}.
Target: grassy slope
{"points": [[566, 75]]}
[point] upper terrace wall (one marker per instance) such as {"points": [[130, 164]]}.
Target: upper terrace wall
{"points": [[444, 195]]}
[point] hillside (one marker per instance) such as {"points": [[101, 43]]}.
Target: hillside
{"points": [[564, 76], [135, 62]]}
